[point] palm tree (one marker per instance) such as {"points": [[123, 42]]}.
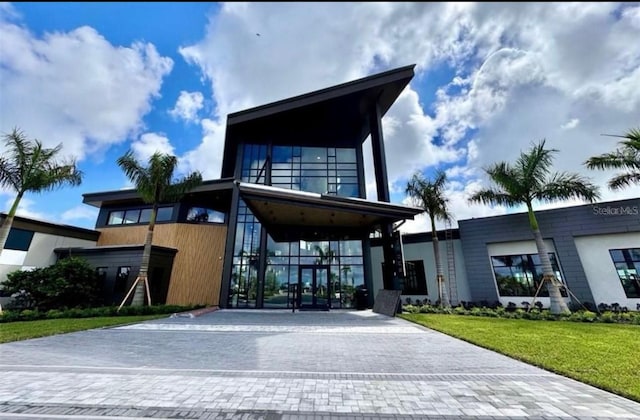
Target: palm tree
{"points": [[626, 158], [528, 180], [27, 166], [326, 255], [430, 196], [155, 186]]}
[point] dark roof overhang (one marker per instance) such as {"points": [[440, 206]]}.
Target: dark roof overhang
{"points": [[210, 193], [334, 117], [290, 215], [56, 229]]}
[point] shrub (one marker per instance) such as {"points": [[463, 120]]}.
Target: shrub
{"points": [[30, 315], [411, 309], [70, 282], [460, 310], [608, 317]]}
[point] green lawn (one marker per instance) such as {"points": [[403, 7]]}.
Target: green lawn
{"points": [[604, 355], [22, 330]]}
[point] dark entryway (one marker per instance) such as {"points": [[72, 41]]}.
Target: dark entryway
{"points": [[314, 287]]}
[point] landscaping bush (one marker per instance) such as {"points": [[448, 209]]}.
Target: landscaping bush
{"points": [[533, 314], [70, 282], [30, 315]]}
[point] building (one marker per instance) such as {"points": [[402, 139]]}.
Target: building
{"points": [[31, 243], [287, 218], [595, 250]]}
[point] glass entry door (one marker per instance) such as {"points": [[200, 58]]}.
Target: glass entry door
{"points": [[313, 287]]}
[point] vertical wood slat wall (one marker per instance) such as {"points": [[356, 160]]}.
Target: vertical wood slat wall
{"points": [[197, 267]]}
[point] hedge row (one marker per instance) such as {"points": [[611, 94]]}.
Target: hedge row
{"points": [[30, 315], [534, 314]]}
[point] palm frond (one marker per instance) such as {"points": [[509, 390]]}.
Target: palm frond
{"points": [[9, 174], [619, 182], [430, 194], [493, 197], [626, 157], [620, 159], [155, 182], [535, 165], [29, 166], [182, 186], [563, 186]]}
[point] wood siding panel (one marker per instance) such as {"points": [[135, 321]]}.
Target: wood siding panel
{"points": [[197, 268]]}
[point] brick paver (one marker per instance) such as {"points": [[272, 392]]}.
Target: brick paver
{"points": [[278, 365]]}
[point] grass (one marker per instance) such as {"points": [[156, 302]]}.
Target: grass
{"points": [[602, 355], [23, 330]]}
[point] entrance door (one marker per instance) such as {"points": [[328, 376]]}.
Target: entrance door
{"points": [[313, 287]]}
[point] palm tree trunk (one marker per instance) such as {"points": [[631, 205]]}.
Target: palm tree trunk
{"points": [[143, 278], [556, 301], [8, 221], [443, 296]]}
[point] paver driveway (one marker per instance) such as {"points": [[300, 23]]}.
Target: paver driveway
{"points": [[275, 365]]}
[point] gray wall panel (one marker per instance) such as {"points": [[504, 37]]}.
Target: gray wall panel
{"points": [[558, 225]]}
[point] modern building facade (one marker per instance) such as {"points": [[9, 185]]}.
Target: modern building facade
{"points": [[594, 248], [289, 223], [289, 218]]}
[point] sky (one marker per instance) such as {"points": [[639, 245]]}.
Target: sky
{"points": [[492, 79]]}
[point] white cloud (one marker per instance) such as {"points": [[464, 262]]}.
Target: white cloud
{"points": [[75, 87], [207, 157], [77, 213], [150, 143], [572, 123], [520, 72], [187, 106], [26, 209]]}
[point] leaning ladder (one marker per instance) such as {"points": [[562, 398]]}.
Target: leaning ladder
{"points": [[451, 264]]}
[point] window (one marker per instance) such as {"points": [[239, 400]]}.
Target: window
{"points": [[204, 215], [164, 214], [101, 273], [315, 169], [415, 282], [19, 239], [122, 276], [115, 218], [520, 275], [627, 263], [137, 216]]}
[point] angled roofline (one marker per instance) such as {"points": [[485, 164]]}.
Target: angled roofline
{"points": [[42, 226], [345, 203], [627, 202], [321, 95], [97, 199]]}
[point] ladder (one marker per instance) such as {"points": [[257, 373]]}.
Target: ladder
{"points": [[451, 264]]}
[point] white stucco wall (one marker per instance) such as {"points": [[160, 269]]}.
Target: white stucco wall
{"points": [[41, 253], [424, 251], [515, 248], [600, 269]]}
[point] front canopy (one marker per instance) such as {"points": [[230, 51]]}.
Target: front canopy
{"points": [[290, 215]]}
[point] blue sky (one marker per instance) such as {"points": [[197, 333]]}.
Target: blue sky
{"points": [[103, 78]]}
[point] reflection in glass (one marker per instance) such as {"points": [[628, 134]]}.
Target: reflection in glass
{"points": [[321, 170], [204, 215], [627, 263], [521, 275]]}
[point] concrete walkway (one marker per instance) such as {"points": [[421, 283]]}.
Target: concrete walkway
{"points": [[279, 365]]}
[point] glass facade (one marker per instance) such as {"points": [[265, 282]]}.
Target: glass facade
{"points": [[520, 275], [325, 273], [627, 262]]}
